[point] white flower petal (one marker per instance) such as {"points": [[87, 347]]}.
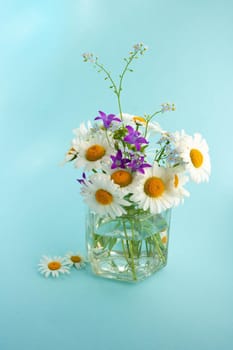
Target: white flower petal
{"points": [[44, 266]]}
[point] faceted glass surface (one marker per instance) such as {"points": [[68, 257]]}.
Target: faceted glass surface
{"points": [[129, 248]]}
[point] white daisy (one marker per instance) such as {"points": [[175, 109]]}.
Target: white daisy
{"points": [[103, 196], [179, 138], [124, 178], [164, 237], [71, 154], [195, 153], [137, 119], [178, 180], [75, 259], [93, 153], [152, 127], [126, 119], [152, 190], [83, 133], [53, 266], [155, 128]]}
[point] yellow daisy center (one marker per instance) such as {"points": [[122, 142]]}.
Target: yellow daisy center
{"points": [[176, 181], [164, 239], [95, 152], [122, 178], [54, 265], [196, 157], [137, 118], [154, 187], [75, 259], [103, 197]]}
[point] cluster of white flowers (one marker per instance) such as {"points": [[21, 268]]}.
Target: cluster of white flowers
{"points": [[139, 47], [128, 170], [117, 182], [167, 107], [88, 56]]}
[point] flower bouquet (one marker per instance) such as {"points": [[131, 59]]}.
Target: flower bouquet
{"points": [[134, 172]]}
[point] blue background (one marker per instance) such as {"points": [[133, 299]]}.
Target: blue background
{"points": [[46, 91]]}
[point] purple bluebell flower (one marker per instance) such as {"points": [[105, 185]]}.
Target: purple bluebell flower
{"points": [[118, 161], [82, 181], [107, 119], [134, 137], [137, 164]]}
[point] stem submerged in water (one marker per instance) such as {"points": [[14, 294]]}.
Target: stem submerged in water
{"points": [[129, 243], [129, 248], [159, 250]]}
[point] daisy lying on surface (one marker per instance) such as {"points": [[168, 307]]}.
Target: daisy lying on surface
{"points": [[54, 266]]}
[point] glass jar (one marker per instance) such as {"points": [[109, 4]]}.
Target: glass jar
{"points": [[127, 248]]}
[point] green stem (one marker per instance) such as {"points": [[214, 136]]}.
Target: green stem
{"points": [[118, 90], [149, 119], [159, 156], [131, 254], [157, 112], [106, 134], [162, 257], [124, 251], [108, 75], [119, 106], [121, 81], [125, 69], [147, 250]]}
